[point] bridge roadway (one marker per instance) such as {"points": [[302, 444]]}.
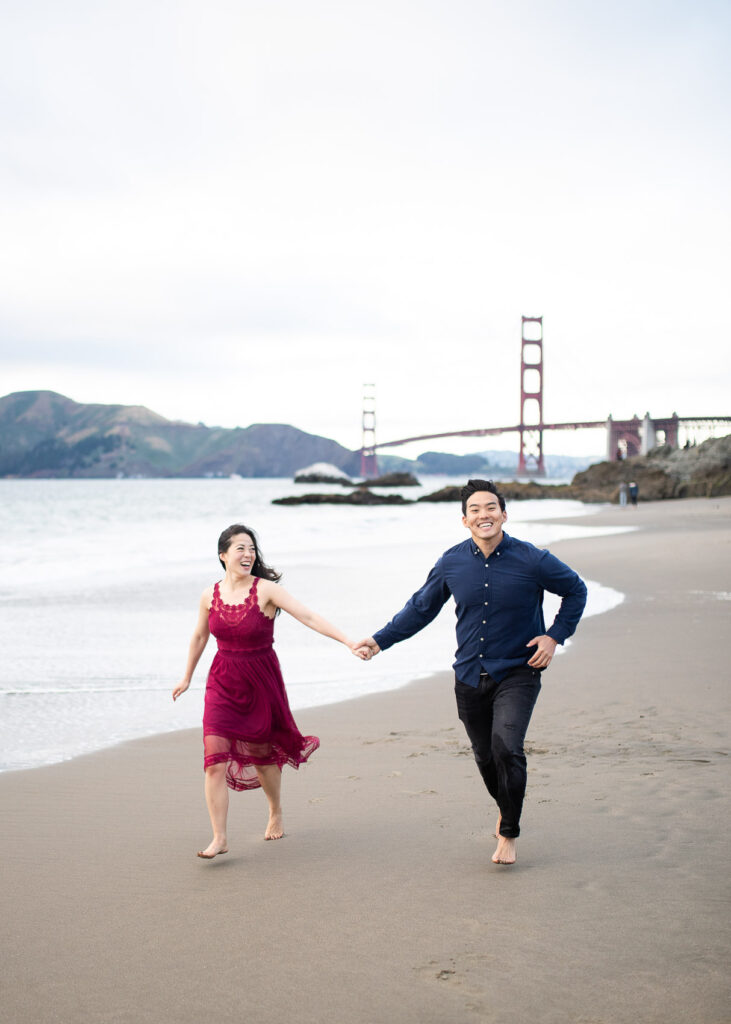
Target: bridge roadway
{"points": [[486, 431], [587, 425]]}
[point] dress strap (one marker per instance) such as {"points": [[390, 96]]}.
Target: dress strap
{"points": [[253, 598]]}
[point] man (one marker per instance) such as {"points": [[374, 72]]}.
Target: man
{"points": [[502, 644]]}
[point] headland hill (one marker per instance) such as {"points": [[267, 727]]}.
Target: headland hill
{"points": [[45, 435]]}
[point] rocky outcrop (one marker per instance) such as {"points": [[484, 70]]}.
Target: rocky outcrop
{"points": [[322, 473], [356, 497], [695, 472], [514, 490], [702, 472], [360, 495], [392, 480]]}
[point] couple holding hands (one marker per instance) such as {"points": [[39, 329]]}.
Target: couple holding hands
{"points": [[497, 583]]}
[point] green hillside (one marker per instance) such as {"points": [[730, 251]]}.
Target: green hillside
{"points": [[44, 434]]}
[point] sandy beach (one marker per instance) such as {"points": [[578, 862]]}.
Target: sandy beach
{"points": [[381, 904]]}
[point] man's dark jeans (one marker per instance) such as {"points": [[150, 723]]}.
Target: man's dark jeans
{"points": [[496, 717]]}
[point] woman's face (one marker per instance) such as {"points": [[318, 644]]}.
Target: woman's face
{"points": [[241, 554]]}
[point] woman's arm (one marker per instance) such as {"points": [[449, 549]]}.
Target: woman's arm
{"points": [[197, 643], [277, 596]]}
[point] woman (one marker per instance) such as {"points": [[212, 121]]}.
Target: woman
{"points": [[249, 733]]}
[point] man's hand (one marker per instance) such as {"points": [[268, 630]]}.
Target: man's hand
{"points": [[546, 647], [370, 644]]}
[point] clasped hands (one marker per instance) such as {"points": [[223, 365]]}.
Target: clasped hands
{"points": [[365, 649], [542, 657]]}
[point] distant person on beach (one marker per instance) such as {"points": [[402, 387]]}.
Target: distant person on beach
{"points": [[633, 492], [502, 644], [623, 493], [249, 733]]}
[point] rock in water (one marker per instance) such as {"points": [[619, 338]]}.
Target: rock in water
{"points": [[392, 480], [358, 497], [321, 473]]}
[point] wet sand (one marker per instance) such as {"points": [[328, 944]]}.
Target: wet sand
{"points": [[381, 903]]}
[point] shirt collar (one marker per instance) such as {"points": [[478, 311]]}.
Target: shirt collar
{"points": [[504, 543]]}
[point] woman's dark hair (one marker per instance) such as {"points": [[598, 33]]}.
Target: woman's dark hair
{"points": [[259, 568], [480, 485]]}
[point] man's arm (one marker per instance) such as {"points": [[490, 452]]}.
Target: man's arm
{"points": [[421, 608], [558, 578]]}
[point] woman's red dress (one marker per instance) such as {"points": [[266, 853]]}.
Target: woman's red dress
{"points": [[246, 718]]}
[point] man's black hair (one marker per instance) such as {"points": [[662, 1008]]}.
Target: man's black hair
{"points": [[480, 485]]}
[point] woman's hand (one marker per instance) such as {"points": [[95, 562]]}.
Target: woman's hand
{"points": [[369, 645], [197, 642], [360, 651], [180, 688]]}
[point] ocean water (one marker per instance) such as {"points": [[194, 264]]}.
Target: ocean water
{"points": [[100, 582]]}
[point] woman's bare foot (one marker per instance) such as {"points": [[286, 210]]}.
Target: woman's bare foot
{"points": [[274, 828], [505, 853], [213, 849]]}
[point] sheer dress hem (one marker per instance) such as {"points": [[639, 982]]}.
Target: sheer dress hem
{"points": [[241, 762]]}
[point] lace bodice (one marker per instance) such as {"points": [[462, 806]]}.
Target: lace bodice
{"points": [[240, 627]]}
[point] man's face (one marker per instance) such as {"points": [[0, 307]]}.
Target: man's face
{"points": [[484, 517]]}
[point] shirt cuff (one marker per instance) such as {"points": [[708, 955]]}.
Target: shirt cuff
{"points": [[383, 639]]}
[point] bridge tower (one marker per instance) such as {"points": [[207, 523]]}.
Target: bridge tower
{"points": [[368, 460], [530, 458]]}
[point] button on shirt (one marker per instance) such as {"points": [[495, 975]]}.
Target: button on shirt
{"points": [[499, 605]]}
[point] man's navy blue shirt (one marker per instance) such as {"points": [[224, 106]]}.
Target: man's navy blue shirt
{"points": [[499, 605]]}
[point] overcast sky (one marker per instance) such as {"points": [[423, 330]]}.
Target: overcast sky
{"points": [[233, 211]]}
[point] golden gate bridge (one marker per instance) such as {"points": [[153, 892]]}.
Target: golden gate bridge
{"points": [[625, 438]]}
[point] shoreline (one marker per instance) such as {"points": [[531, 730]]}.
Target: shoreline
{"points": [[608, 516], [381, 904]]}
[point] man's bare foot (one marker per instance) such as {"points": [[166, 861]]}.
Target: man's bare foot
{"points": [[213, 849], [505, 853], [274, 828]]}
